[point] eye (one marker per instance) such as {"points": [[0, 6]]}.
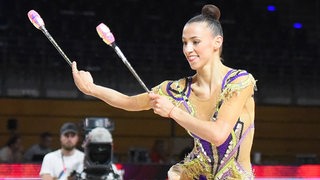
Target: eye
{"points": [[184, 43], [196, 42]]}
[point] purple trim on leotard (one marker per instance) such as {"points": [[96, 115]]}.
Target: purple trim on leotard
{"points": [[188, 84], [224, 81], [225, 78], [237, 145], [202, 177], [222, 149], [170, 93], [238, 75], [207, 148], [177, 98], [186, 105]]}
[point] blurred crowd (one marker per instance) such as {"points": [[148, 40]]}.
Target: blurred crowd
{"points": [[14, 152]]}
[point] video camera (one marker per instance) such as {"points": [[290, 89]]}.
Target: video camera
{"points": [[98, 149]]}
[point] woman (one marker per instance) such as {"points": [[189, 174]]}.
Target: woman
{"points": [[215, 105]]}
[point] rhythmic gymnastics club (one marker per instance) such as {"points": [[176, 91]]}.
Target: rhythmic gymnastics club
{"points": [[106, 35], [38, 22]]}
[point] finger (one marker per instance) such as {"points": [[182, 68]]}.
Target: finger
{"points": [[152, 96], [74, 67]]}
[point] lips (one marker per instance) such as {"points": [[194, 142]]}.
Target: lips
{"points": [[192, 58]]}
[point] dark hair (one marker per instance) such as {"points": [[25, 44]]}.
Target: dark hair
{"points": [[13, 139], [45, 135], [211, 15]]}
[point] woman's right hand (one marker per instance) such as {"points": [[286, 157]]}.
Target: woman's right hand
{"points": [[82, 79]]}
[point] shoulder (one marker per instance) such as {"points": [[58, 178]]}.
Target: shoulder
{"points": [[238, 77], [79, 153], [4, 149], [170, 85], [235, 81], [53, 155], [34, 147]]}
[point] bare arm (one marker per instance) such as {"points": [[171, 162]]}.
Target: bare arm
{"points": [[84, 82]]}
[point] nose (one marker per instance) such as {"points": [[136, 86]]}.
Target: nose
{"points": [[188, 48]]}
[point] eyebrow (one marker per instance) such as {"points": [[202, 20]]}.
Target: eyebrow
{"points": [[193, 37]]}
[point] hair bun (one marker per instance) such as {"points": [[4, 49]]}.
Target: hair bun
{"points": [[211, 11]]}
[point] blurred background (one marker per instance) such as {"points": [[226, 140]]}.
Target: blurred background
{"points": [[276, 41]]}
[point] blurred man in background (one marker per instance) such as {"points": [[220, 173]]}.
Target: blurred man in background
{"points": [[66, 161], [36, 152]]}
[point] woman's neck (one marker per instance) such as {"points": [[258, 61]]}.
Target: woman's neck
{"points": [[211, 75], [207, 81]]}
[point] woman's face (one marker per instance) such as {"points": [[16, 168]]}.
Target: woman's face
{"points": [[198, 44]]}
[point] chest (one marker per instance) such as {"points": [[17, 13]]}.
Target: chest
{"points": [[64, 166], [204, 109]]}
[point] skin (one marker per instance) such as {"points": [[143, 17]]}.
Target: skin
{"points": [[202, 51], [68, 142]]}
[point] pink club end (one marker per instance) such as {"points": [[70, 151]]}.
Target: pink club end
{"points": [[105, 33], [35, 19]]}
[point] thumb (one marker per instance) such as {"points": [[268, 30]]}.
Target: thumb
{"points": [[154, 96], [151, 94]]}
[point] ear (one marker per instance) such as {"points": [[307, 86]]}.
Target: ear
{"points": [[218, 40]]}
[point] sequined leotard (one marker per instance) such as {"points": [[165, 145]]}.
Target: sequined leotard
{"points": [[207, 161]]}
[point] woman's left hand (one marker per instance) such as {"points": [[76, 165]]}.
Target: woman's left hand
{"points": [[160, 104]]}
